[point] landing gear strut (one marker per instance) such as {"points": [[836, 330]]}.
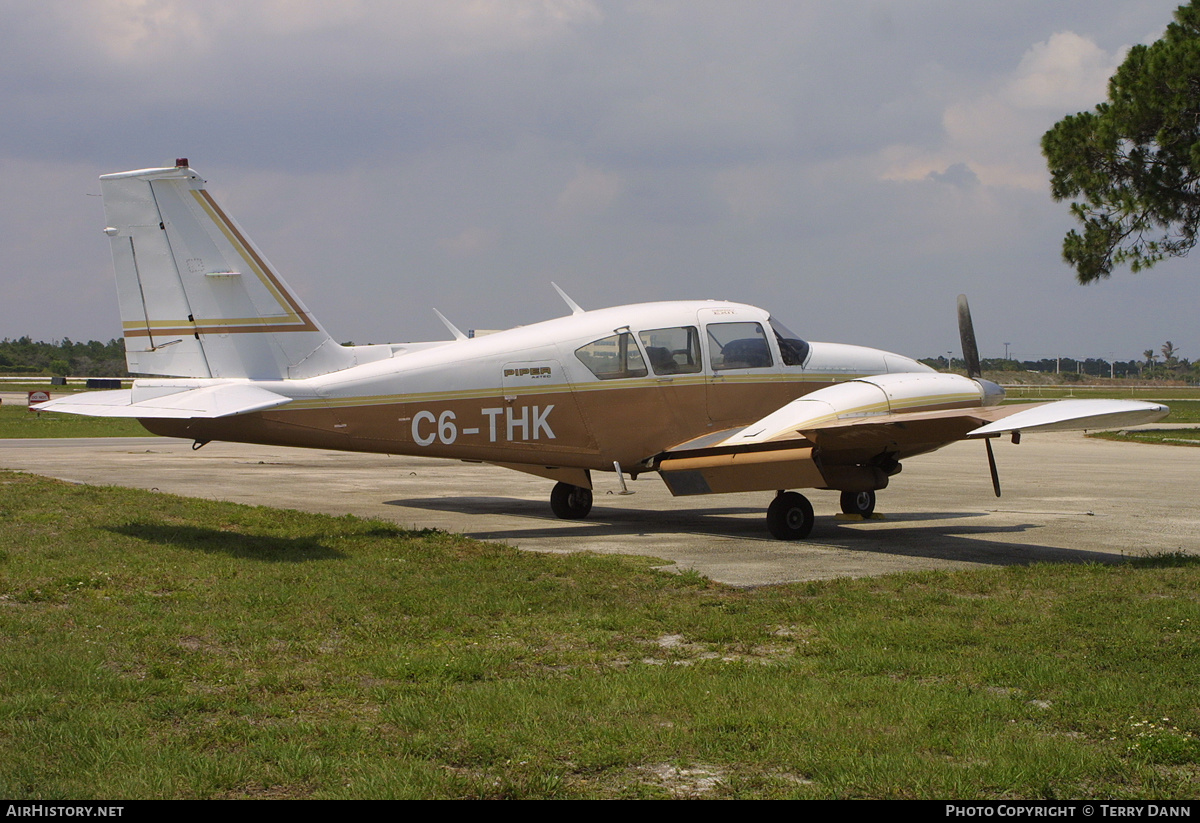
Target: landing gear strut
{"points": [[570, 502], [862, 503], [790, 516]]}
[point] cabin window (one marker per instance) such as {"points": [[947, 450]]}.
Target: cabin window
{"points": [[673, 351], [792, 349], [613, 357], [738, 346]]}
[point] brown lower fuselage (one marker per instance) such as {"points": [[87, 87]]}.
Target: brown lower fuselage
{"points": [[587, 428]]}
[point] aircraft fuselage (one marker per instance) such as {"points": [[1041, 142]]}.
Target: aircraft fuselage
{"points": [[535, 395]]}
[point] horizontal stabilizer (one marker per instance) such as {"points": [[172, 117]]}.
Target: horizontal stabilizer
{"points": [[1073, 415], [207, 401]]}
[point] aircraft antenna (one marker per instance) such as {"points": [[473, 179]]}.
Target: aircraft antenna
{"points": [[458, 335], [571, 304]]}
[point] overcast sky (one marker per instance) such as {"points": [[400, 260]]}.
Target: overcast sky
{"points": [[850, 166]]}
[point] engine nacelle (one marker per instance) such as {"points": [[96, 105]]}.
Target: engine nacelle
{"points": [[724, 469], [868, 397]]}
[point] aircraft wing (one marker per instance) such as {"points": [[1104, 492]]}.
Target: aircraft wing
{"points": [[853, 435], [206, 401], [987, 421]]}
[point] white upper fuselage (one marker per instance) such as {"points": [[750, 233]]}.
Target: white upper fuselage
{"points": [[477, 363]]}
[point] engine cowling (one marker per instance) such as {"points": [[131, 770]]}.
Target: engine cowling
{"points": [[867, 397]]}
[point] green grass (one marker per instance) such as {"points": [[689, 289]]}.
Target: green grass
{"points": [[1168, 437], [155, 646], [1164, 394], [41, 384], [19, 421], [1182, 411]]}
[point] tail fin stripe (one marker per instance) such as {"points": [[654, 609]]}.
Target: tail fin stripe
{"points": [[295, 314], [292, 319]]}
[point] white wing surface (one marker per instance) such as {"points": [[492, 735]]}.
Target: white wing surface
{"points": [[1072, 415]]}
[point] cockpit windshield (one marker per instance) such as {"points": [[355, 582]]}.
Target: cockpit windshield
{"points": [[792, 349]]}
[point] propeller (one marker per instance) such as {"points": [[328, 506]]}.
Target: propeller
{"points": [[970, 353], [966, 333], [987, 441]]}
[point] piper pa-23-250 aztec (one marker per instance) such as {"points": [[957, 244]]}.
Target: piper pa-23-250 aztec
{"points": [[714, 396]]}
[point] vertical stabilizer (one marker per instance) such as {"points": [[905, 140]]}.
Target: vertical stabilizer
{"points": [[197, 298]]}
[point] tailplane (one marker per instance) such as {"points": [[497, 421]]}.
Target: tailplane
{"points": [[197, 298]]}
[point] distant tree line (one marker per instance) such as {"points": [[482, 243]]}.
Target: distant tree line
{"points": [[63, 358], [1170, 367]]}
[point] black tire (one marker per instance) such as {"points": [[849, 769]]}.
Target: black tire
{"points": [[790, 517], [858, 503], [570, 502]]}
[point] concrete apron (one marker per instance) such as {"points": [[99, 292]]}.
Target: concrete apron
{"points": [[1067, 498]]}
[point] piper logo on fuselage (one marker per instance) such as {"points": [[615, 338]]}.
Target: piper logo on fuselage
{"points": [[511, 424], [537, 372]]}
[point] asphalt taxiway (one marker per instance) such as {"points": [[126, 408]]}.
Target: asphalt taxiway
{"points": [[1066, 498]]}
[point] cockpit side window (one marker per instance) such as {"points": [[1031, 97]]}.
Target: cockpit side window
{"points": [[672, 351], [792, 349], [613, 357], [738, 346]]}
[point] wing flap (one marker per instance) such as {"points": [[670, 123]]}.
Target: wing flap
{"points": [[206, 402]]}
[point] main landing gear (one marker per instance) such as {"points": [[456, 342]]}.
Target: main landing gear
{"points": [[861, 503], [790, 515], [570, 502]]}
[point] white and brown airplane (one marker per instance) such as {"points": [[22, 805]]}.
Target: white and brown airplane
{"points": [[714, 396]]}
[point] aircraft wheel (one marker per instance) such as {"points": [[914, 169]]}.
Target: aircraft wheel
{"points": [[858, 503], [570, 502], [790, 517]]}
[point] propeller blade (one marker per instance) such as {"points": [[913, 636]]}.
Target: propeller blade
{"points": [[992, 465], [966, 333]]}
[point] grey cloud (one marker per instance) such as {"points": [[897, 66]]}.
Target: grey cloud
{"points": [[958, 175]]}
